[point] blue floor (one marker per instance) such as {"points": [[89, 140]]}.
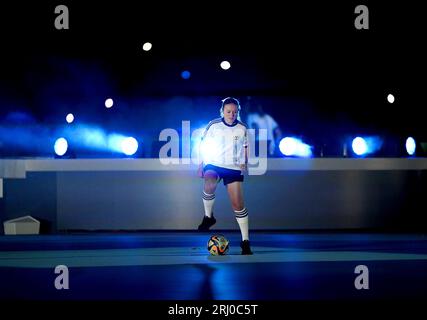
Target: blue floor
{"points": [[177, 266]]}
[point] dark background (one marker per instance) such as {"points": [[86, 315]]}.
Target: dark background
{"points": [[304, 61]]}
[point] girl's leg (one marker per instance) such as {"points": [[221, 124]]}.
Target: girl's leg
{"points": [[211, 181], [235, 193]]}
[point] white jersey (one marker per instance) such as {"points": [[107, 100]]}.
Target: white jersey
{"points": [[223, 145]]}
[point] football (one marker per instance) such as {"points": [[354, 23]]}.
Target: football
{"points": [[218, 245]]}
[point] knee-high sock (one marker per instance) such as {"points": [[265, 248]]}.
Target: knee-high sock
{"points": [[243, 221], [208, 202]]}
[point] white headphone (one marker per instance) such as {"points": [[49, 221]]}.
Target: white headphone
{"points": [[227, 101]]}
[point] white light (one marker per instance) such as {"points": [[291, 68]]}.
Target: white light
{"points": [[410, 146], [390, 98], [303, 150], [288, 146], [209, 149], [109, 103], [359, 146], [129, 146], [69, 118], [147, 46], [61, 146], [225, 65]]}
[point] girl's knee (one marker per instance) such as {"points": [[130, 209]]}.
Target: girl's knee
{"points": [[210, 186], [210, 175]]}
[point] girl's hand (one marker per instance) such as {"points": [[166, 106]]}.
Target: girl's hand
{"points": [[244, 168]]}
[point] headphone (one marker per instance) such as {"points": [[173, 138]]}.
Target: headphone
{"points": [[227, 101]]}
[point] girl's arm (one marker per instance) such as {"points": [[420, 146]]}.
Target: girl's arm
{"points": [[244, 166]]}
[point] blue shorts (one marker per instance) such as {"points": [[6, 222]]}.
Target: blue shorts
{"points": [[227, 175]]}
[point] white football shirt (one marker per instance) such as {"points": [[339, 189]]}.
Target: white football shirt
{"points": [[223, 144]]}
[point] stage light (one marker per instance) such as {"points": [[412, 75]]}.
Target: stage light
{"points": [[195, 143], [61, 146], [129, 146], [366, 145], [289, 146], [185, 74], [225, 65], [390, 98], [69, 118], [359, 146], [209, 149], [109, 103], [410, 146], [147, 46]]}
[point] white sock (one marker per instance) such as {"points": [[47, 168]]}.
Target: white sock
{"points": [[243, 221], [208, 202]]}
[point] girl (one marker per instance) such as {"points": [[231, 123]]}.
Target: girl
{"points": [[224, 150]]}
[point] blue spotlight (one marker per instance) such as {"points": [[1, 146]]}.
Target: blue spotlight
{"points": [[410, 146], [359, 146], [85, 136], [115, 142], [366, 145], [129, 146], [294, 147], [61, 146], [185, 74]]}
